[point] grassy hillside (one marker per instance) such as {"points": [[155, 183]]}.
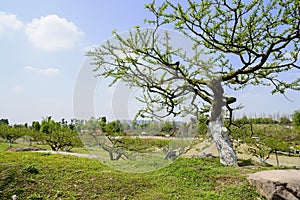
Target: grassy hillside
{"points": [[46, 176]]}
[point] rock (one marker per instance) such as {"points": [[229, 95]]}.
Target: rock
{"points": [[277, 184], [172, 155]]}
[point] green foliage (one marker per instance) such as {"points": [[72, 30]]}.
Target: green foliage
{"points": [[11, 134], [4, 121], [202, 125], [258, 120], [285, 120], [35, 126], [59, 135], [263, 140], [168, 128], [113, 128], [243, 43], [296, 118], [101, 125], [63, 139]]}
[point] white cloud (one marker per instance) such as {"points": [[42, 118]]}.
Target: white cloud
{"points": [[52, 33], [9, 22], [43, 71]]}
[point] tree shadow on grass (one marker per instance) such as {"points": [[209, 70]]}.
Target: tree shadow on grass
{"points": [[245, 162]]}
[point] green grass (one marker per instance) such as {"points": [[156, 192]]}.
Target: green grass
{"points": [[47, 176]]}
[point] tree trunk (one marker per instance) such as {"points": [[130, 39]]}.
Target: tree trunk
{"points": [[221, 139], [223, 143], [10, 143], [277, 160]]}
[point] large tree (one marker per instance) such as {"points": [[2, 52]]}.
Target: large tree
{"points": [[236, 44]]}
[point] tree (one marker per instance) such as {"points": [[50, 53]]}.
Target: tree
{"points": [[63, 139], [247, 44], [59, 135], [11, 134], [4, 121], [263, 140], [113, 128], [35, 125], [285, 120], [296, 118], [168, 128], [202, 125], [93, 125]]}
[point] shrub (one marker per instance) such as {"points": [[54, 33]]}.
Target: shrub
{"points": [[296, 118]]}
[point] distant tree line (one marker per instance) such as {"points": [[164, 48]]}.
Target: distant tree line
{"points": [[58, 135], [262, 135], [284, 120]]}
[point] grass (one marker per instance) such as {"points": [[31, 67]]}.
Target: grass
{"points": [[32, 175]]}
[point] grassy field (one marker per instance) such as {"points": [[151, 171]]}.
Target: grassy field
{"points": [[32, 175], [46, 176]]}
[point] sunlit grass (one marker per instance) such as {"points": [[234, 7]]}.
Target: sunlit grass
{"points": [[28, 174]]}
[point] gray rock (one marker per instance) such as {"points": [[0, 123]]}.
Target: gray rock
{"points": [[277, 184], [172, 155]]}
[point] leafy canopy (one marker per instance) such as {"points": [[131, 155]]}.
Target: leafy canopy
{"points": [[235, 44]]}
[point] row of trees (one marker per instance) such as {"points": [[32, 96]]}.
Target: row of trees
{"points": [[58, 135], [138, 127], [261, 139], [62, 135], [284, 120]]}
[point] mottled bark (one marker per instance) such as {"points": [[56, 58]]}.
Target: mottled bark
{"points": [[221, 139], [223, 143]]}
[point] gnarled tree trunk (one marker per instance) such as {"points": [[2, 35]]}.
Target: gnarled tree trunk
{"points": [[221, 139]]}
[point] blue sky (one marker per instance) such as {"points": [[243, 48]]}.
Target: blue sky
{"points": [[43, 45]]}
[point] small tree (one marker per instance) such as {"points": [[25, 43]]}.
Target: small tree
{"points": [[168, 128], [11, 134], [296, 118], [285, 120], [263, 140], [4, 121], [248, 44], [59, 135], [63, 139], [113, 128]]}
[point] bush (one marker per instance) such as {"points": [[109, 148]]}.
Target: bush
{"points": [[296, 118]]}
